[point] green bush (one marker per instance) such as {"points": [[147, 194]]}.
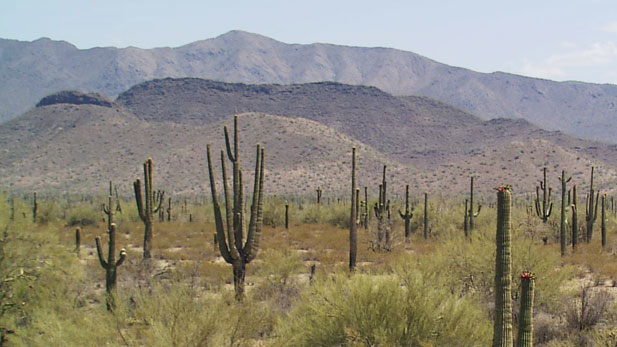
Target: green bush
{"points": [[390, 310], [83, 215]]}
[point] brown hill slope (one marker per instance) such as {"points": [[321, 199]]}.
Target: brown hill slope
{"points": [[31, 70], [77, 148], [418, 131]]}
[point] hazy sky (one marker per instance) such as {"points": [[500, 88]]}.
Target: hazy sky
{"points": [[559, 40]]}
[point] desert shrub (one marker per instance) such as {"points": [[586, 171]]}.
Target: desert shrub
{"points": [[274, 212], [588, 309], [338, 215], [382, 311], [82, 215], [279, 286], [313, 214], [49, 212], [177, 314]]}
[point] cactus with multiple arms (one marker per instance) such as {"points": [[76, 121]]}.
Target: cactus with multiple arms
{"points": [[230, 239], [111, 264], [382, 213], [502, 329], [564, 189], [147, 205], [353, 225], [408, 215], [525, 322], [591, 209], [545, 207]]}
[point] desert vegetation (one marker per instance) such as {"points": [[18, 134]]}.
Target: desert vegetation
{"points": [[323, 270]]}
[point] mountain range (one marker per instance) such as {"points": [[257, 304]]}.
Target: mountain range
{"points": [[75, 142], [32, 70]]}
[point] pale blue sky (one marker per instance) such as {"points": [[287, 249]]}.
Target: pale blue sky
{"points": [[560, 40]]}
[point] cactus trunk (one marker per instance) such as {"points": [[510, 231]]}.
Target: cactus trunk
{"points": [[591, 209], [574, 219], [148, 203], [502, 329], [407, 215], [525, 325], [425, 215], [564, 189], [603, 224], [353, 233]]}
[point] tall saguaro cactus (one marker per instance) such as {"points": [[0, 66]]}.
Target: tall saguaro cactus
{"points": [[591, 209], [603, 224], [545, 207], [574, 219], [353, 225], [425, 215], [525, 322], [502, 328], [408, 215], [233, 248], [35, 208], [469, 214], [148, 203], [564, 190], [111, 264]]}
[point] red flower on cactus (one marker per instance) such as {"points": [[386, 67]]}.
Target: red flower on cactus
{"points": [[504, 188], [527, 275]]}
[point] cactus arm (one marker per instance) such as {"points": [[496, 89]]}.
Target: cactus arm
{"points": [[139, 201], [538, 202], [99, 251], [403, 216], [253, 218], [158, 200], [218, 219], [121, 257], [478, 213], [255, 238], [595, 211], [239, 227], [230, 237], [550, 209], [149, 195]]}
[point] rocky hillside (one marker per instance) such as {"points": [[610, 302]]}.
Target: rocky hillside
{"points": [[32, 70], [72, 147]]}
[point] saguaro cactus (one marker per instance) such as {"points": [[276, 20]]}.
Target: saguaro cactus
{"points": [[425, 215], [382, 213], [148, 204], [78, 241], [591, 209], [564, 189], [408, 215], [574, 219], [353, 226], [318, 190], [111, 265], [365, 214], [502, 329], [169, 209], [287, 216], [469, 214], [230, 239], [35, 208], [544, 208], [525, 322], [603, 224]]}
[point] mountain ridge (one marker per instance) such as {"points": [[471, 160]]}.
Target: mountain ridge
{"points": [[30, 73]]}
